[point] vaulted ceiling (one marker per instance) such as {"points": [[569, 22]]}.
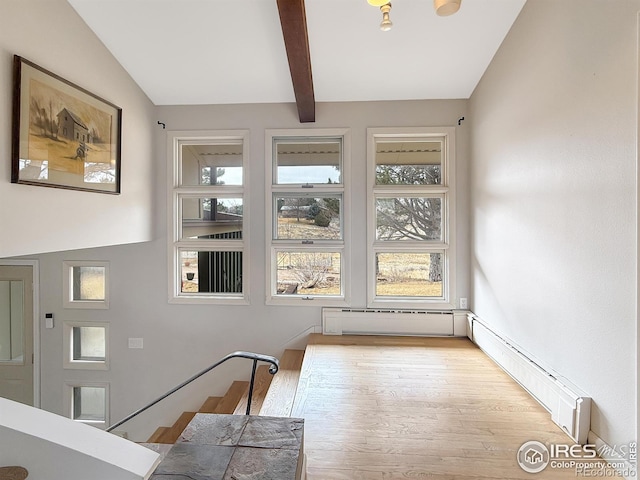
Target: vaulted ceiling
{"points": [[183, 52]]}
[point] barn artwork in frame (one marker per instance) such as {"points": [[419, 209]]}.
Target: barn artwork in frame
{"points": [[63, 135]]}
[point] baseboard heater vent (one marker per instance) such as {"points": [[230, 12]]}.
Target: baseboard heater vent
{"points": [[569, 407], [366, 321]]}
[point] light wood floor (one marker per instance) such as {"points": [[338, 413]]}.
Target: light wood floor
{"points": [[415, 408]]}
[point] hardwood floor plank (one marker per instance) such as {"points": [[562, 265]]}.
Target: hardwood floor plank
{"points": [[280, 397], [210, 404], [155, 436], [172, 433], [260, 387], [229, 402], [405, 407]]}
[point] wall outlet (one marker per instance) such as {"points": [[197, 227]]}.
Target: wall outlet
{"points": [[463, 304], [136, 343]]}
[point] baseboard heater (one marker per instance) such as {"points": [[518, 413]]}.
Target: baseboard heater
{"points": [[366, 321], [569, 407]]}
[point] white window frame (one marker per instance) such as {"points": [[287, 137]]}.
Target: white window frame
{"points": [[321, 246], [67, 285], [68, 401], [67, 344], [445, 190], [175, 140]]}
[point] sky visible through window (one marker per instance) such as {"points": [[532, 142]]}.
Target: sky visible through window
{"points": [[308, 174]]}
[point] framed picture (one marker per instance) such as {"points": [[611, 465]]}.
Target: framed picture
{"points": [[63, 135]]}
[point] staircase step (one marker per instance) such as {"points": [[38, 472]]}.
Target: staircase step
{"points": [[172, 434], [160, 448], [210, 404], [157, 434], [279, 399], [229, 402], [260, 387]]}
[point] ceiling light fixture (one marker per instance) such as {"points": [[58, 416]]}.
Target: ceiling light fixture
{"points": [[443, 8], [386, 24], [385, 8], [446, 7]]}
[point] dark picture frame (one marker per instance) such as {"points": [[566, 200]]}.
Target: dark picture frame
{"points": [[63, 135]]}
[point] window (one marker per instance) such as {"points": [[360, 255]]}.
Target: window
{"points": [[411, 217], [307, 215], [86, 345], [85, 284], [88, 403], [209, 225]]}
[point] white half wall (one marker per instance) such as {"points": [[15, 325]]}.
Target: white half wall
{"points": [[553, 194], [55, 448], [36, 219]]}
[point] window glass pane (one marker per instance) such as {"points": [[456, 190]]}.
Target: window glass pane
{"points": [[313, 218], [213, 218], [89, 404], [89, 283], [409, 274], [11, 321], [306, 161], [308, 273], [211, 272], [409, 218], [408, 162], [89, 343], [215, 164]]}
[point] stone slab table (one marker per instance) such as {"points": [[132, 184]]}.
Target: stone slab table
{"points": [[235, 447]]}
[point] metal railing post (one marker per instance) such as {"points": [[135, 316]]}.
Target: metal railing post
{"points": [[253, 377]]}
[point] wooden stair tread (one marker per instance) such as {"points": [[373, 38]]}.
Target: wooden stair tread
{"points": [[157, 434], [173, 432], [229, 402], [308, 362], [260, 387], [210, 404], [279, 399]]}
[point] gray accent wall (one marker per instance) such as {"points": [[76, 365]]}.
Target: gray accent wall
{"points": [[553, 192]]}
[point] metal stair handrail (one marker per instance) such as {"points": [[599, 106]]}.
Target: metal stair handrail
{"points": [[256, 357]]}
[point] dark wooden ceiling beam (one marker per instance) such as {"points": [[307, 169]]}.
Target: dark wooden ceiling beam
{"points": [[293, 20]]}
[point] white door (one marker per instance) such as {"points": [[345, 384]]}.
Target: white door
{"points": [[16, 333]]}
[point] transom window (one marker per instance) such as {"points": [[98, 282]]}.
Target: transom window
{"points": [[307, 210], [85, 284], [86, 345], [209, 207], [410, 217]]}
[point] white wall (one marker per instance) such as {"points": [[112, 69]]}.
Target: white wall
{"points": [[553, 195], [36, 219], [179, 340]]}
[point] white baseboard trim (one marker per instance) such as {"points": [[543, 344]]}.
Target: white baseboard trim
{"points": [[371, 321], [570, 408]]}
